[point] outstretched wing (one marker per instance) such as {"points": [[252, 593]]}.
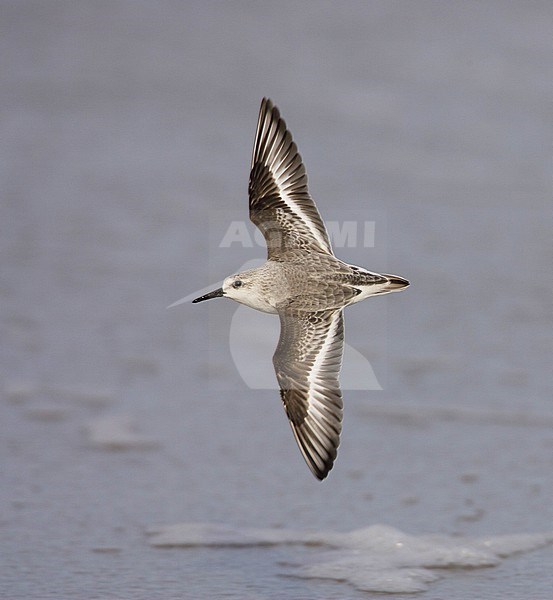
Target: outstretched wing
{"points": [[307, 362], [280, 204]]}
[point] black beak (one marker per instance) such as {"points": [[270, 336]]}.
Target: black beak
{"points": [[216, 294]]}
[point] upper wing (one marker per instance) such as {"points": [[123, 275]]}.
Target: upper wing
{"points": [[280, 204], [307, 362]]}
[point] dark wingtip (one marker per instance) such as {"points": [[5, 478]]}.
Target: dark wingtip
{"points": [[322, 475], [268, 106]]}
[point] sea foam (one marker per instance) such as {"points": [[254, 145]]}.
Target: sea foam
{"points": [[378, 558]]}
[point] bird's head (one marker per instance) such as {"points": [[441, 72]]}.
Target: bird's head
{"points": [[236, 287]]}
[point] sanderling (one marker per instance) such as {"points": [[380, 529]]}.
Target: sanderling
{"points": [[306, 285]]}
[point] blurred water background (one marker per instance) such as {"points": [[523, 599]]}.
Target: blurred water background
{"points": [[126, 133]]}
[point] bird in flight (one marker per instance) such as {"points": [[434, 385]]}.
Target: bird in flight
{"points": [[306, 285]]}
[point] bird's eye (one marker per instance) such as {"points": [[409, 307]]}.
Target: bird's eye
{"points": [[237, 284]]}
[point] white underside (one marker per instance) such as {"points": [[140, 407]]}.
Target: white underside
{"points": [[257, 302]]}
